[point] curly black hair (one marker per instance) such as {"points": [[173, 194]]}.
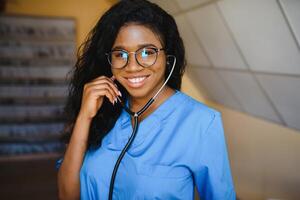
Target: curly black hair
{"points": [[92, 62]]}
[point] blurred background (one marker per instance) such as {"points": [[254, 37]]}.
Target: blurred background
{"points": [[243, 59]]}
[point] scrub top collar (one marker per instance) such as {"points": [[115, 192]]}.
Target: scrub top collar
{"points": [[148, 127], [162, 110]]}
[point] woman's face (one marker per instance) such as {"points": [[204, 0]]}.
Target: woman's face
{"points": [[140, 82]]}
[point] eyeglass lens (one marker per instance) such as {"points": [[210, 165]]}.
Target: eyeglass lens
{"points": [[144, 57]]}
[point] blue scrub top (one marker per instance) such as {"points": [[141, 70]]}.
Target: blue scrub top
{"points": [[180, 145]]}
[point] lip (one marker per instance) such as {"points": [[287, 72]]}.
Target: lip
{"points": [[136, 81]]}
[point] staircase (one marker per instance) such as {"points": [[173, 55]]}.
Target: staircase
{"points": [[35, 56]]}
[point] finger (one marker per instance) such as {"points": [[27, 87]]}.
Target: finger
{"points": [[106, 87], [102, 78], [113, 79], [107, 81], [112, 98], [99, 78], [103, 92]]}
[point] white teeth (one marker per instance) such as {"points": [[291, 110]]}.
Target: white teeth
{"points": [[136, 80]]}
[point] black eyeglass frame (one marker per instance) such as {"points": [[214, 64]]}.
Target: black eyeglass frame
{"points": [[157, 50]]}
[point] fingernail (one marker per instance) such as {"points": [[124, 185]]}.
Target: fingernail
{"points": [[120, 94], [116, 100]]}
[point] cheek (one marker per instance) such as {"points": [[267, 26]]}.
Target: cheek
{"points": [[161, 67], [116, 73]]}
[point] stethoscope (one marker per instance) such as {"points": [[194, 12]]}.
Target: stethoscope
{"points": [[135, 128]]}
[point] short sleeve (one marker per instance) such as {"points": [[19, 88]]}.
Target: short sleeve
{"points": [[212, 171]]}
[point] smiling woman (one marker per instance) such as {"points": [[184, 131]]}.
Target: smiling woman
{"points": [[143, 74], [132, 133]]}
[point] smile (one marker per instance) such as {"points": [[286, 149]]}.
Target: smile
{"points": [[136, 81]]}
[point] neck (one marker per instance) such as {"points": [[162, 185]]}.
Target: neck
{"points": [[136, 104]]}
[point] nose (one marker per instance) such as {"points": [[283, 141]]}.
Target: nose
{"points": [[132, 64]]}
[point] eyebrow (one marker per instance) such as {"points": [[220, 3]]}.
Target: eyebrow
{"points": [[139, 46]]}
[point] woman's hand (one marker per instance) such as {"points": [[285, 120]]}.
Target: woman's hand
{"points": [[94, 93]]}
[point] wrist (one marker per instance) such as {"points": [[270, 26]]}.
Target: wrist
{"points": [[83, 117]]}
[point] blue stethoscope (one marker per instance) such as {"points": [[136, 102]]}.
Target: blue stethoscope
{"points": [[135, 127]]}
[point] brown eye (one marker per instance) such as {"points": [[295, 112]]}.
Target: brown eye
{"points": [[146, 52], [120, 54]]}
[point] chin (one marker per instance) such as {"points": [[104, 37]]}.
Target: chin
{"points": [[138, 93]]}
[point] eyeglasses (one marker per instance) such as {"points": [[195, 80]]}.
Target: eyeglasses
{"points": [[145, 57]]}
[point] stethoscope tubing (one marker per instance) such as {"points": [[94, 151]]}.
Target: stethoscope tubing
{"points": [[135, 129]]}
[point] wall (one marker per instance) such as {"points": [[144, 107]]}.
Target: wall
{"points": [[264, 156], [245, 54], [86, 13]]}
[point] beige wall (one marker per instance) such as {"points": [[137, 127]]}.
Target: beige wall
{"points": [[265, 157]]}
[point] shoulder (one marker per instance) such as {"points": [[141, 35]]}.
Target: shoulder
{"points": [[193, 106], [197, 114]]}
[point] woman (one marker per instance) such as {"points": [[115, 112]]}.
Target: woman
{"points": [[179, 142]]}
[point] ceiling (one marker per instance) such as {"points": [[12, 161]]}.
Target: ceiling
{"points": [[246, 54]]}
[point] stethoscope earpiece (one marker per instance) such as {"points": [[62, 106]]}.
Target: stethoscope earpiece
{"points": [[169, 57]]}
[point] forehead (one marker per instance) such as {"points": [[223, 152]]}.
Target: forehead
{"points": [[133, 36]]}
